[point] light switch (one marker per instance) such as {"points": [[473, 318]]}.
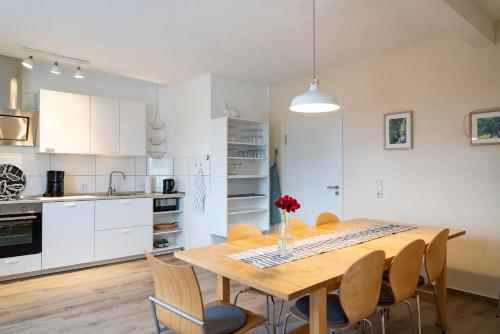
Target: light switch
{"points": [[379, 188]]}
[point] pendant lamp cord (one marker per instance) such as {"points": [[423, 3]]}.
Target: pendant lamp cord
{"points": [[314, 39]]}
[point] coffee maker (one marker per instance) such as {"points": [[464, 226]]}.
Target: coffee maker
{"points": [[55, 183], [168, 186]]}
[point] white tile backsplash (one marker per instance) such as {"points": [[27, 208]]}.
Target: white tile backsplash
{"points": [[140, 166], [160, 166], [79, 184], [74, 164], [88, 173], [30, 164], [35, 185], [121, 185], [105, 165]]}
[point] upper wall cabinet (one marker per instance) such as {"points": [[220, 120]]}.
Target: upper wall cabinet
{"points": [[104, 129], [82, 124], [64, 122], [132, 128]]}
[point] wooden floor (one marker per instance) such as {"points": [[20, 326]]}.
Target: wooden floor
{"points": [[113, 299]]}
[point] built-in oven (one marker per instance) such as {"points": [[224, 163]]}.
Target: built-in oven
{"points": [[20, 229]]}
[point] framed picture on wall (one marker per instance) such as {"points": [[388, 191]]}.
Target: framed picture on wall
{"points": [[485, 127], [398, 131]]}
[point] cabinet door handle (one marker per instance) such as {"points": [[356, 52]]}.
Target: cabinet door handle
{"points": [[13, 261], [70, 205], [125, 231], [126, 202]]}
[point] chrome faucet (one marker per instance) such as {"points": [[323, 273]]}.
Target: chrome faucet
{"points": [[112, 189]]}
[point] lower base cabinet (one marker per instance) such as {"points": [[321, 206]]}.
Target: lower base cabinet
{"points": [[123, 242], [67, 233], [20, 264]]}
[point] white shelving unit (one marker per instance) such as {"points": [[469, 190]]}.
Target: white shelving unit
{"points": [[175, 236], [246, 143]]}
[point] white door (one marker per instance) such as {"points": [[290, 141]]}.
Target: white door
{"points": [[132, 128], [64, 125], [67, 233], [104, 125], [313, 165]]}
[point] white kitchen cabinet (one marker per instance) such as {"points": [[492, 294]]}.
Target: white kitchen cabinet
{"points": [[67, 233], [20, 264], [122, 242], [104, 126], [113, 214], [64, 122], [132, 128]]}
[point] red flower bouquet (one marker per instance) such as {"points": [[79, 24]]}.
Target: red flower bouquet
{"points": [[287, 203]]}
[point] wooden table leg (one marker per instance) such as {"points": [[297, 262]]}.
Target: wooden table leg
{"points": [[317, 312], [442, 287], [223, 291]]}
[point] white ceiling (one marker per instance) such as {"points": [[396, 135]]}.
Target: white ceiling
{"points": [[172, 41]]}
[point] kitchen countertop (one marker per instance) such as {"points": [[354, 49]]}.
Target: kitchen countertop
{"points": [[90, 197]]}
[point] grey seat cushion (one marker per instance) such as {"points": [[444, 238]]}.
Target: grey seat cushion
{"points": [[335, 314], [386, 297], [224, 319]]}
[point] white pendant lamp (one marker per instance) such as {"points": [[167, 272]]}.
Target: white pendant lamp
{"points": [[314, 100]]}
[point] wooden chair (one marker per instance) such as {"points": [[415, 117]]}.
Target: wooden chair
{"points": [[357, 299], [403, 280], [178, 304], [326, 218], [297, 223], [243, 231], [435, 255]]}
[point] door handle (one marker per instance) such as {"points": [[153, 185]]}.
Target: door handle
{"points": [[126, 202], [337, 187], [125, 231], [70, 205], [12, 261]]}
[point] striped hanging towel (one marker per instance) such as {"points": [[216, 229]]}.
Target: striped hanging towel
{"points": [[199, 192], [275, 214]]}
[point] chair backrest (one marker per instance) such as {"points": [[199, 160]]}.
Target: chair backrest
{"points": [[243, 231], [177, 286], [326, 218], [297, 223], [405, 270], [435, 254], [360, 287]]}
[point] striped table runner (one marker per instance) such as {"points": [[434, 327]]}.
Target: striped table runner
{"points": [[267, 257]]}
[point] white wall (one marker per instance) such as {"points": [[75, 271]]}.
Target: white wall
{"points": [[443, 181], [250, 99]]}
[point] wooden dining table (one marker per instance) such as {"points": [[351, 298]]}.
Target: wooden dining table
{"points": [[316, 275]]}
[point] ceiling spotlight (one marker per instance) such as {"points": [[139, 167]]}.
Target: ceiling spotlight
{"points": [[55, 69], [28, 62], [79, 73]]}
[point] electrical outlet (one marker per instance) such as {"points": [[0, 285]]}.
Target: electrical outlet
{"points": [[379, 188], [83, 187]]}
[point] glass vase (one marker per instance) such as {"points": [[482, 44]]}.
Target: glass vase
{"points": [[285, 239]]}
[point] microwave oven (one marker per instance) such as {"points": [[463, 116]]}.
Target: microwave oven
{"points": [[165, 204]]}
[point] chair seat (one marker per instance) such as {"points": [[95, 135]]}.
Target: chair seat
{"points": [[421, 279], [335, 314], [224, 319]]}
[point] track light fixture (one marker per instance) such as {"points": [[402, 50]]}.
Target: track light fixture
{"points": [[28, 62], [55, 68], [79, 73]]}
